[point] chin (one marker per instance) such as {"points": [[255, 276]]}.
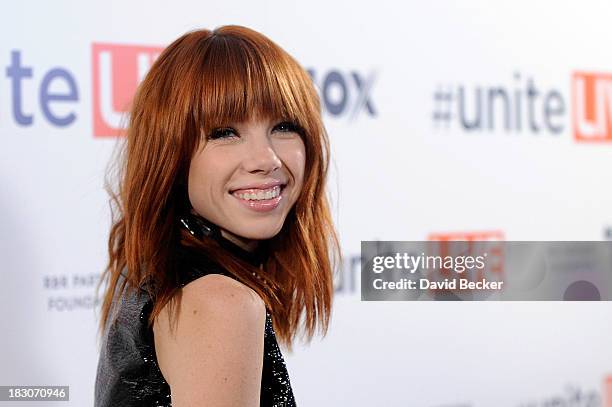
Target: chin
{"points": [[261, 230]]}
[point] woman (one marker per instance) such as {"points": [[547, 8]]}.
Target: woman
{"points": [[223, 240]]}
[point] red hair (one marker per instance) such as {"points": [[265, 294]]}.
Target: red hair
{"points": [[203, 80]]}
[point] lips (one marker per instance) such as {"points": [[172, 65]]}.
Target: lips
{"points": [[259, 205]]}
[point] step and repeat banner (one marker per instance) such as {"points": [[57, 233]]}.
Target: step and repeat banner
{"points": [[475, 120]]}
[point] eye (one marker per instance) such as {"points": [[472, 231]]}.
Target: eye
{"points": [[289, 127], [221, 133]]}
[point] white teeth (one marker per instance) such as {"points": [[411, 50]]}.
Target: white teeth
{"points": [[263, 194]]}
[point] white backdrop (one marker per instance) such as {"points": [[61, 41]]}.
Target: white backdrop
{"points": [[406, 166]]}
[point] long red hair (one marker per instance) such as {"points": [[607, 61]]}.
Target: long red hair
{"points": [[203, 80]]}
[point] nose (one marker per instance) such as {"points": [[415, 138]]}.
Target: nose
{"points": [[261, 156]]}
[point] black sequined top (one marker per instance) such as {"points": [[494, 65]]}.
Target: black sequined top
{"points": [[128, 374]]}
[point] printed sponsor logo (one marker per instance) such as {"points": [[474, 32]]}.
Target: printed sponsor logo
{"points": [[523, 106], [345, 94], [607, 391], [592, 102], [116, 72]]}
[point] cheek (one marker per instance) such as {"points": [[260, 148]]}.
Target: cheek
{"points": [[294, 156], [202, 176], [196, 183]]}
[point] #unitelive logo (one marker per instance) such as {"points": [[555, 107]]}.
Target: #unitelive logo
{"points": [[525, 107]]}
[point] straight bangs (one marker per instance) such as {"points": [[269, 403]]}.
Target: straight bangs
{"points": [[243, 79]]}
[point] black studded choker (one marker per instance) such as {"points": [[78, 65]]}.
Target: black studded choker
{"points": [[200, 227]]}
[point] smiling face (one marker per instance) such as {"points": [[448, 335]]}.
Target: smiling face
{"points": [[246, 178]]}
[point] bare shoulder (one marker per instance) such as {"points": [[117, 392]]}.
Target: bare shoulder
{"points": [[215, 354]]}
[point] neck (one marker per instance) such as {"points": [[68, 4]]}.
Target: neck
{"points": [[251, 250], [247, 244]]}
